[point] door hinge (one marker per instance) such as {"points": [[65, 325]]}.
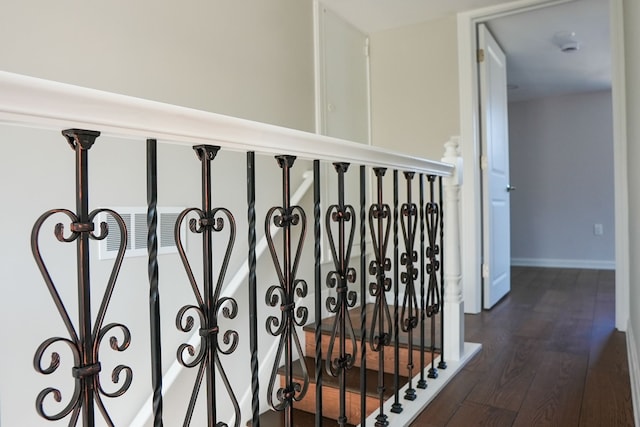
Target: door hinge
{"points": [[485, 271], [367, 50], [484, 162], [480, 55]]}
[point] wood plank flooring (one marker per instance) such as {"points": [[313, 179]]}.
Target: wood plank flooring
{"points": [[551, 357]]}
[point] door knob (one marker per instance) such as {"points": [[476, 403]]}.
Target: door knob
{"points": [[510, 188]]}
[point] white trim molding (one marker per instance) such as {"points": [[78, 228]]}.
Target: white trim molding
{"points": [[634, 372], [564, 263]]}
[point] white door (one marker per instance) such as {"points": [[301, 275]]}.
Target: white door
{"points": [[344, 79], [342, 101], [496, 263]]}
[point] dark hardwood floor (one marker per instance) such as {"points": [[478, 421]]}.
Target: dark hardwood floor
{"points": [[551, 357]]}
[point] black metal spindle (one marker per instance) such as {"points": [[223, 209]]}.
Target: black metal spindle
{"points": [[442, 364], [207, 359], [363, 300], [154, 294], [397, 406], [433, 266], [339, 279], [381, 325], [287, 217], [253, 293], [85, 343], [318, 289], [409, 311], [422, 382]]}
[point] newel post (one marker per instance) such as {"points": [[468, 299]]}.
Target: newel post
{"points": [[453, 301]]}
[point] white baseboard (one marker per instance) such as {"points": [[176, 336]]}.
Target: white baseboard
{"points": [[634, 372], [564, 263]]}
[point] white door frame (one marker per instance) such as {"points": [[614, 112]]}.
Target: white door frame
{"points": [[470, 146]]}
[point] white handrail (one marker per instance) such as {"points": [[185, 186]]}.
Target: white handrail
{"points": [[43, 103], [145, 413]]}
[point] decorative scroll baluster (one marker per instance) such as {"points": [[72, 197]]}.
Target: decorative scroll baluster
{"points": [[409, 313], [396, 408], [433, 266], [340, 279], [85, 343], [154, 295], [253, 293], [287, 217], [442, 364], [207, 359], [422, 383], [381, 326]]}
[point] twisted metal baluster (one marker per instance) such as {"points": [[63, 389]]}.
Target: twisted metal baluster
{"points": [[317, 238], [154, 294], [409, 312], [340, 279], [381, 326], [363, 300], [442, 364], [422, 382], [253, 293], [208, 306], [85, 343], [396, 408], [433, 266], [287, 217]]}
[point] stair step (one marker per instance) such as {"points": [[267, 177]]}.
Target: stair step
{"points": [[331, 392], [372, 357], [300, 419]]}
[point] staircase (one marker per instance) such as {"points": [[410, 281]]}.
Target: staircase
{"points": [[304, 413]]}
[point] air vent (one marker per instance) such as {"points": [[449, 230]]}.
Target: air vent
{"points": [[136, 221]]}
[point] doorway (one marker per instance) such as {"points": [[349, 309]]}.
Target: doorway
{"points": [[471, 149]]}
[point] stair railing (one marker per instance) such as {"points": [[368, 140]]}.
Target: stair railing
{"points": [[35, 102]]}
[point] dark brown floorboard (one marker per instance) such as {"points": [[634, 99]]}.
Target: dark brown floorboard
{"points": [[551, 357]]}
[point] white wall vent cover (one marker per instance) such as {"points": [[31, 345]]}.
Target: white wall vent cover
{"points": [[136, 220]]}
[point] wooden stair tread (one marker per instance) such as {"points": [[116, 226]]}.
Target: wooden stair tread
{"points": [[353, 378], [326, 327], [300, 419]]}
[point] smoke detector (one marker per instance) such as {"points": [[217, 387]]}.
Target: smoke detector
{"points": [[566, 41]]}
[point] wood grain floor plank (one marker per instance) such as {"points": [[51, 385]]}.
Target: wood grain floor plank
{"points": [[551, 356], [474, 414], [555, 396]]}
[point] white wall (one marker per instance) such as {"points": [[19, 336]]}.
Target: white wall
{"points": [[561, 156], [632, 58], [248, 59], [414, 87]]}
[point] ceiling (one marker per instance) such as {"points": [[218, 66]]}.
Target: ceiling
{"points": [[536, 65]]}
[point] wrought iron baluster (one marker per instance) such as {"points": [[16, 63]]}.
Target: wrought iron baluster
{"points": [[84, 343], [345, 299], [253, 294], [287, 217], [442, 364], [318, 289], [207, 358], [154, 295], [363, 300], [422, 382], [433, 266], [381, 325], [409, 311], [397, 406]]}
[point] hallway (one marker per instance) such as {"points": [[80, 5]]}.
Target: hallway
{"points": [[551, 356]]}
